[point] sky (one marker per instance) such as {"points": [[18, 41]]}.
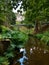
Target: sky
{"points": [[15, 11]]}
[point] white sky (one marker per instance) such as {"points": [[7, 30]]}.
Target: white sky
{"points": [[15, 11]]}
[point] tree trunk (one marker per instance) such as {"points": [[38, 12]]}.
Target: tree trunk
{"points": [[39, 26], [36, 27]]}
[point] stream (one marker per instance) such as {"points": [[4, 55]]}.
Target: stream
{"points": [[35, 52]]}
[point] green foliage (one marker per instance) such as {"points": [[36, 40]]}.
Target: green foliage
{"points": [[7, 18], [17, 39], [39, 36], [14, 35], [3, 61], [6, 5], [36, 10], [10, 51], [6, 14], [43, 37]]}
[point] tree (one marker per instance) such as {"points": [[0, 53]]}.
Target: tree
{"points": [[6, 5], [6, 13], [7, 17], [36, 11]]}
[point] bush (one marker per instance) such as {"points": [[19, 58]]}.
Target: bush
{"points": [[3, 61], [16, 38]]}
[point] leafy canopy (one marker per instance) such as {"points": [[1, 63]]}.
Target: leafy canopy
{"points": [[36, 9]]}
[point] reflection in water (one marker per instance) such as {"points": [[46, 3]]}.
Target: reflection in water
{"points": [[23, 50], [34, 53], [31, 50], [34, 48], [45, 51], [23, 58]]}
